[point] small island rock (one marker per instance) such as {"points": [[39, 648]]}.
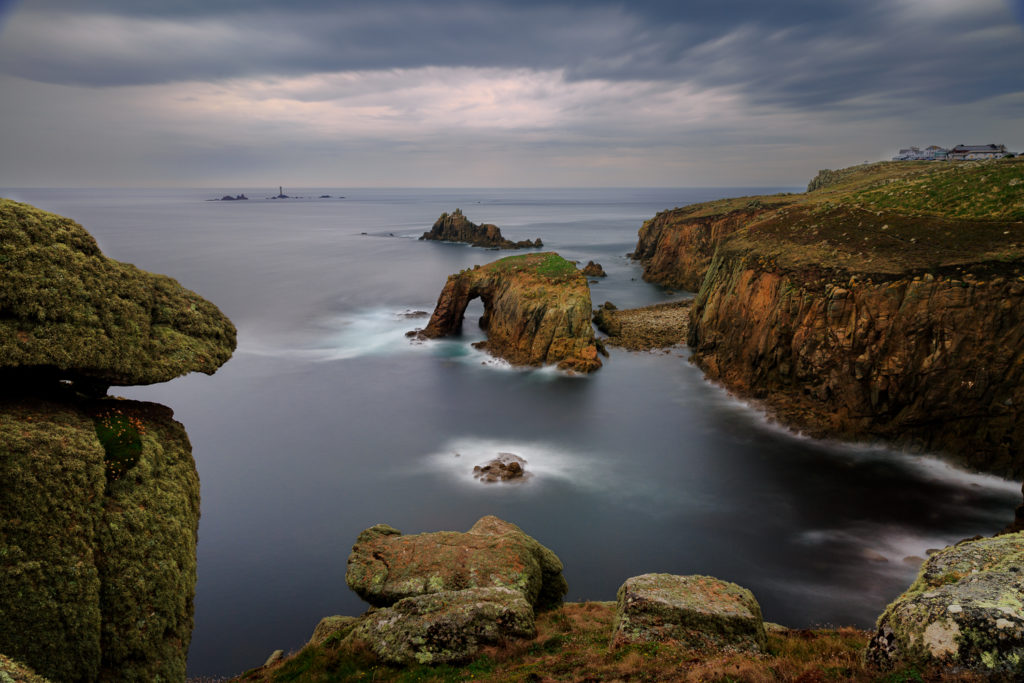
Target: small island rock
{"points": [[505, 467], [594, 270], [455, 227]]}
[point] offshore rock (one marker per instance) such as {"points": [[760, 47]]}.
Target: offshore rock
{"points": [[701, 612], [594, 270], [97, 577], [536, 311], [445, 627], [455, 227], [505, 467], [965, 611], [68, 312], [385, 566]]}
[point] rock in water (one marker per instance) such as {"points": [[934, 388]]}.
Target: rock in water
{"points": [[506, 467], [445, 627], [69, 311], [386, 566], [701, 612], [965, 610], [536, 311], [455, 227], [594, 270]]}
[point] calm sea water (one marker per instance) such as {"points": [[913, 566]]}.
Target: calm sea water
{"points": [[328, 420]]}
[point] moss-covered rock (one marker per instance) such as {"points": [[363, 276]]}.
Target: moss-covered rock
{"points": [[15, 672], [445, 627], [97, 576], [68, 311], [965, 611], [701, 612], [332, 627], [386, 566]]}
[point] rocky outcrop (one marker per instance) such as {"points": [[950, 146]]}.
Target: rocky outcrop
{"points": [[701, 612], [100, 502], [964, 612], [885, 304], [385, 566], [71, 313], [505, 467], [594, 270], [445, 627], [536, 311], [455, 227]]}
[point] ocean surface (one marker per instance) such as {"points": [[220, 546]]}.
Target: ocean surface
{"points": [[329, 420]]}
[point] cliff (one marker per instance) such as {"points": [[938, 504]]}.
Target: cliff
{"points": [[100, 504], [885, 304], [455, 227], [536, 311]]}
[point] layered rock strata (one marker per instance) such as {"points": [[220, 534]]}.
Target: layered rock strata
{"points": [[886, 304], [100, 503], [536, 311], [455, 227], [964, 612]]}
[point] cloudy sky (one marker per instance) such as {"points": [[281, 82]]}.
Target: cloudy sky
{"points": [[487, 93]]}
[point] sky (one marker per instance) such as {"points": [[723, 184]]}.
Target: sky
{"points": [[495, 93]]}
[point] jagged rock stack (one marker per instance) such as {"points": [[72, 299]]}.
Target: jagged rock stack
{"points": [[100, 497], [455, 227]]}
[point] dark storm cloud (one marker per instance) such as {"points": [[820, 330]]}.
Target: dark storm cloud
{"points": [[786, 52]]}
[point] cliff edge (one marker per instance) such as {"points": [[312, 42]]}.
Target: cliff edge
{"points": [[536, 311], [886, 303]]}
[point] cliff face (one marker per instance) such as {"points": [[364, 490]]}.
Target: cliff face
{"points": [[455, 227], [536, 311], [886, 304], [100, 499]]}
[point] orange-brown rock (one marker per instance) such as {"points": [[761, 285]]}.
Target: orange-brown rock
{"points": [[536, 311], [594, 270], [455, 227]]}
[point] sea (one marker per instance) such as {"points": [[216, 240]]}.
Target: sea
{"points": [[328, 419]]}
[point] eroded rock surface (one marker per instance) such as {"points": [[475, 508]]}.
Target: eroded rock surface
{"points": [[386, 566], [965, 611], [445, 627], [536, 311], [701, 612], [455, 227], [505, 467], [69, 312]]}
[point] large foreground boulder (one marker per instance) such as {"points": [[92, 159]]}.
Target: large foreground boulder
{"points": [[965, 611], [385, 566], [69, 312], [701, 612], [445, 627]]}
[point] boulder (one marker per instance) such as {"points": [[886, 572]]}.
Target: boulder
{"points": [[385, 566], [965, 610], [701, 612], [506, 467], [445, 627], [68, 312], [334, 626]]}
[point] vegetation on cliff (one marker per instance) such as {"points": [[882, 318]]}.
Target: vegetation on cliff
{"points": [[536, 311], [455, 227], [68, 309], [885, 303]]}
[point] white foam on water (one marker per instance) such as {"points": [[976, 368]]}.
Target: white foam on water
{"points": [[886, 545]]}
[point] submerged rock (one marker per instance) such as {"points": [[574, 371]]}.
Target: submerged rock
{"points": [[68, 312], [506, 467], [445, 627], [701, 612], [455, 227], [386, 566], [965, 611], [536, 311]]}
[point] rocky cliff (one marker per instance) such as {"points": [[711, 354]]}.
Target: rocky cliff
{"points": [[455, 227], [886, 304], [100, 503], [536, 311]]}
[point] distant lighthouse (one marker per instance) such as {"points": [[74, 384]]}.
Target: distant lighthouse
{"points": [[280, 193]]}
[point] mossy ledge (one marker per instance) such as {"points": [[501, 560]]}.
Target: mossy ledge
{"points": [[68, 312], [887, 303], [536, 311]]}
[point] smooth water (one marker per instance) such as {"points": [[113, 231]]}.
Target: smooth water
{"points": [[329, 420]]}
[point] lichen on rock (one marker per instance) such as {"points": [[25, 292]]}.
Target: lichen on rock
{"points": [[701, 612], [536, 311], [965, 610], [386, 566]]}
